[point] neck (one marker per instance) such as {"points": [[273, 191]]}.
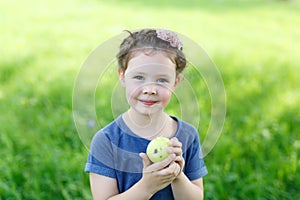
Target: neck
{"points": [[148, 126]]}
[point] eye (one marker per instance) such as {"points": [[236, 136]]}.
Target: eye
{"points": [[138, 77], [162, 80]]}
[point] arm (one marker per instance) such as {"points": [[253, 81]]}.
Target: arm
{"points": [[183, 188], [155, 177], [105, 188]]}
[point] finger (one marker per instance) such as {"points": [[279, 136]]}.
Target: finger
{"points": [[176, 150], [162, 164], [175, 168], [146, 161], [178, 169], [171, 171], [178, 159], [174, 142]]}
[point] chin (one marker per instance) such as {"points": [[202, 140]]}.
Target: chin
{"points": [[140, 108], [152, 112]]}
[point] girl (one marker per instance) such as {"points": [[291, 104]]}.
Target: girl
{"points": [[150, 62]]}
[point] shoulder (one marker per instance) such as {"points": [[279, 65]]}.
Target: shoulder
{"points": [[186, 129], [111, 132], [187, 134], [117, 148], [189, 128], [118, 137]]}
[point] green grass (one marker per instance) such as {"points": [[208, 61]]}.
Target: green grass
{"points": [[255, 45]]}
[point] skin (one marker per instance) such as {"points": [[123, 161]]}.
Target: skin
{"points": [[149, 82]]}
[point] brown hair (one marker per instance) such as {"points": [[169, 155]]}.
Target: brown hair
{"points": [[144, 40]]}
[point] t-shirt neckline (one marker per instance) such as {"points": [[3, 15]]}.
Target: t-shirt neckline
{"points": [[121, 123]]}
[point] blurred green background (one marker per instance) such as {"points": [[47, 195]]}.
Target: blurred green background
{"points": [[254, 43]]}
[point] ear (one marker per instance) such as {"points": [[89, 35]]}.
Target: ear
{"points": [[177, 80], [121, 77]]}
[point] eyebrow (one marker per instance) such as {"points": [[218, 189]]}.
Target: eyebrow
{"points": [[164, 75], [157, 75]]}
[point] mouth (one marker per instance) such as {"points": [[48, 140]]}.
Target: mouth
{"points": [[148, 102]]}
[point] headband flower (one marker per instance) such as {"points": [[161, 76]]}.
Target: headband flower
{"points": [[170, 37]]}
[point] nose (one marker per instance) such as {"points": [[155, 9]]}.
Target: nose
{"points": [[150, 90]]}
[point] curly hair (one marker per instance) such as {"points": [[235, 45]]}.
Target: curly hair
{"points": [[145, 40]]}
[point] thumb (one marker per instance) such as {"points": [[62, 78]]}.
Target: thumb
{"points": [[146, 161]]}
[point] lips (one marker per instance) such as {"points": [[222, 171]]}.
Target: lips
{"points": [[148, 102]]}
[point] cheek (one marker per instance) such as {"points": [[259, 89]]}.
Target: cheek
{"points": [[166, 96], [132, 91]]}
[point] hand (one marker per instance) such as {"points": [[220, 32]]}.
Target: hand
{"points": [[176, 148], [157, 176]]}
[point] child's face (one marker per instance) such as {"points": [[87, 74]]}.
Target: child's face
{"points": [[149, 81]]}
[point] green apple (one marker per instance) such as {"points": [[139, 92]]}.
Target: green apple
{"points": [[157, 149]]}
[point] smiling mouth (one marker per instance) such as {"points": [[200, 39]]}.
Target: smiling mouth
{"points": [[148, 102]]}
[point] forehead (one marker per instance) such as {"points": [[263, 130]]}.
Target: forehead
{"points": [[154, 61]]}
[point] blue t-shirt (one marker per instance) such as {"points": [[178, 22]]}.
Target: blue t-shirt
{"points": [[115, 149]]}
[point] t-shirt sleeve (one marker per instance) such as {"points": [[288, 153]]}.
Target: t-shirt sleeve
{"points": [[194, 165], [100, 158]]}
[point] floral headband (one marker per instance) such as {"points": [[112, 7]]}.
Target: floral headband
{"points": [[170, 37]]}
